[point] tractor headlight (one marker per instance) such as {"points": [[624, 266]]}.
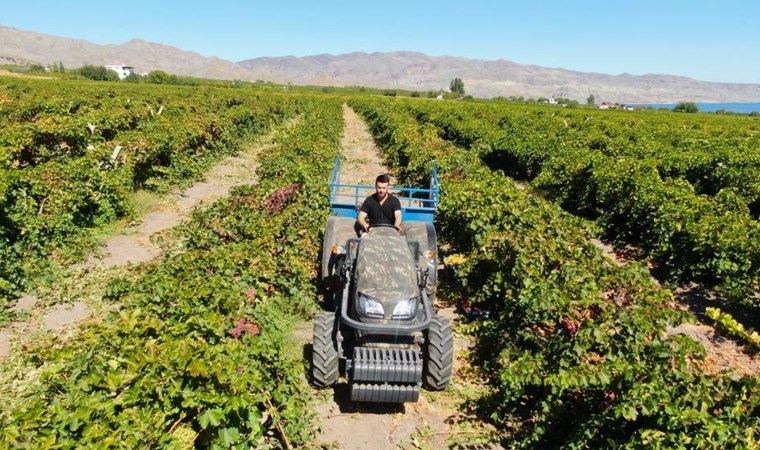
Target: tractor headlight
{"points": [[405, 309], [371, 307]]}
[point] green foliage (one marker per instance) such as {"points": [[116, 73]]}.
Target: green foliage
{"points": [[158, 77], [591, 100], [456, 86], [161, 77], [575, 352], [567, 102], [57, 67], [133, 78], [733, 327], [97, 73], [59, 181], [196, 354], [686, 107], [617, 169]]}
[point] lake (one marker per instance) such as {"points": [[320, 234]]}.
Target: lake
{"points": [[744, 108]]}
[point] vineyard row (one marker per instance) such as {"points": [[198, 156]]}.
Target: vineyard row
{"points": [[693, 237], [72, 153], [577, 352], [198, 354]]}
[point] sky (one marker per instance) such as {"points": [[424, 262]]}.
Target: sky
{"points": [[701, 39]]}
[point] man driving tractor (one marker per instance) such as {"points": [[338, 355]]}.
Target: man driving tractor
{"points": [[380, 208], [381, 331]]}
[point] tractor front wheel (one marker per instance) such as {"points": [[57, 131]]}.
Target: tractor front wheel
{"points": [[439, 357], [324, 350]]}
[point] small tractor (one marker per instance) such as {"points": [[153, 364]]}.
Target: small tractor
{"points": [[382, 332]]}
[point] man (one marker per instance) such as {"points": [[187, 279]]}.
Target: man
{"points": [[380, 207]]}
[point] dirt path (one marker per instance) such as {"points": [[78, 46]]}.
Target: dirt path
{"points": [[361, 157], [437, 419], [63, 308], [135, 245]]}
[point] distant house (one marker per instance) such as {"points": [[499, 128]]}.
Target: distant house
{"points": [[121, 70], [609, 105]]}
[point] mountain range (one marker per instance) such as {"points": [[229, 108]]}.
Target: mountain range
{"points": [[388, 70]]}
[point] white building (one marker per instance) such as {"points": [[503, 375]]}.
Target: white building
{"points": [[121, 70]]}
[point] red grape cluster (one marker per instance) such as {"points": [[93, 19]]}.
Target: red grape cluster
{"points": [[571, 326], [243, 327], [281, 197]]}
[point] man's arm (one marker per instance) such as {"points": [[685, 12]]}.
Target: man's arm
{"points": [[397, 221], [363, 220]]}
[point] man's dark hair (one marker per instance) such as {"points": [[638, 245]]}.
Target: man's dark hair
{"points": [[382, 179]]}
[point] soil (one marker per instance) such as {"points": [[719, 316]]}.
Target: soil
{"points": [[5, 344], [360, 161], [59, 316], [133, 246], [8, 73], [361, 157], [437, 419]]}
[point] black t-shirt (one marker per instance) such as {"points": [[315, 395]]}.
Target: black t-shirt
{"points": [[377, 213]]}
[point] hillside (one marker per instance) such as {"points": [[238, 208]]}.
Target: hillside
{"points": [[403, 69], [23, 47], [411, 70]]}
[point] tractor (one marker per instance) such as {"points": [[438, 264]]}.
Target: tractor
{"points": [[381, 331]]}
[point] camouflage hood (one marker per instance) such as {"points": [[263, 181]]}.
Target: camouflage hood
{"points": [[384, 267]]}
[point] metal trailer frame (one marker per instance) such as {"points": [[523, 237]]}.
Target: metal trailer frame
{"points": [[417, 204]]}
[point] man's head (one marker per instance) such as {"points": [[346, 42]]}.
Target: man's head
{"points": [[381, 185]]}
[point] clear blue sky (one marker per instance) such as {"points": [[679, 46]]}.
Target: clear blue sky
{"points": [[706, 40]]}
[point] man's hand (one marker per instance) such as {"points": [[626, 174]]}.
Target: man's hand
{"points": [[397, 220], [362, 219]]}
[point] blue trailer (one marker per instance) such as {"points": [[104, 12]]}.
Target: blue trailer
{"points": [[417, 204]]}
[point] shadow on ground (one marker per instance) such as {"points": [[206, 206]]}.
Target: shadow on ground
{"points": [[696, 297]]}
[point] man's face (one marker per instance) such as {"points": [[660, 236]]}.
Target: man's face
{"points": [[381, 189]]}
